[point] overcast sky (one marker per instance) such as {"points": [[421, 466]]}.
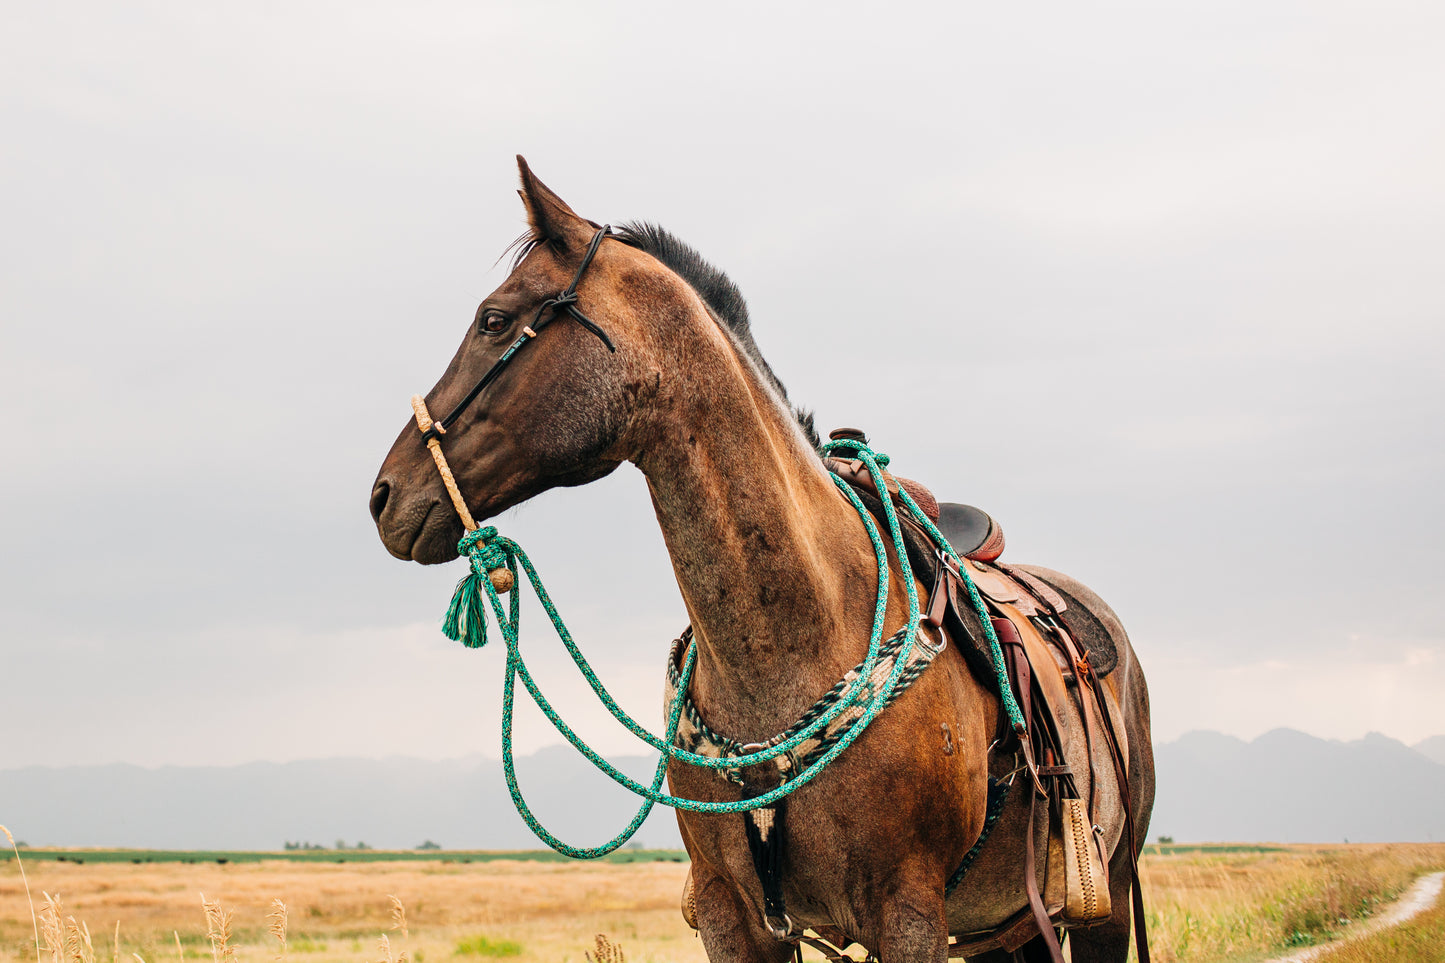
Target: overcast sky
{"points": [[1176, 271]]}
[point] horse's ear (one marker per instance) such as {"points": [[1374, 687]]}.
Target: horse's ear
{"points": [[549, 216]]}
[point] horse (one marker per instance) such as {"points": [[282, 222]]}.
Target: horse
{"points": [[776, 571]]}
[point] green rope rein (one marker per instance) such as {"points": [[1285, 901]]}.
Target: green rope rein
{"points": [[466, 622]]}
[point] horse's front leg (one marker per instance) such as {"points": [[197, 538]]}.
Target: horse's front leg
{"points": [[914, 929], [731, 932]]}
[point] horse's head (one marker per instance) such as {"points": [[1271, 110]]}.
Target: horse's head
{"points": [[560, 412]]}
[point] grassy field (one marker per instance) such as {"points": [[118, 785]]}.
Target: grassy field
{"points": [[221, 856], [455, 911], [1419, 940], [1228, 903], [1251, 903]]}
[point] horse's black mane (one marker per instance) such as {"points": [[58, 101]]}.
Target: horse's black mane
{"points": [[719, 293]]}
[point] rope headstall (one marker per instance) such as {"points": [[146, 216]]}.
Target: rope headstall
{"points": [[488, 554]]}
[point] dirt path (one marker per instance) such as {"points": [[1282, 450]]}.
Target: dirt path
{"points": [[1418, 898]]}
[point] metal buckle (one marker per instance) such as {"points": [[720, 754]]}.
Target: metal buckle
{"points": [[921, 639], [780, 929], [787, 761]]}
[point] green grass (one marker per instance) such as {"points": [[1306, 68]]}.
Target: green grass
{"points": [[1166, 849], [331, 856], [481, 946]]}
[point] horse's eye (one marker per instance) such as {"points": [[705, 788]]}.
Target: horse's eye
{"points": [[493, 322]]}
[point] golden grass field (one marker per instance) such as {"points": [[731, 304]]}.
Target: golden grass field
{"points": [[1243, 906], [1211, 904], [1419, 940]]}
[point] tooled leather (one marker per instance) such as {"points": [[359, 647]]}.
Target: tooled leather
{"points": [[1086, 880]]}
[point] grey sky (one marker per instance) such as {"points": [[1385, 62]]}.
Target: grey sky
{"points": [[1175, 270]]}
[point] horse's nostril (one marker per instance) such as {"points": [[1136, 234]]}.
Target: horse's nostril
{"points": [[378, 499]]}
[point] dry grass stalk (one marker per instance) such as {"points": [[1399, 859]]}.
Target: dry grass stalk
{"points": [[115, 951], [51, 928], [607, 951], [78, 948], [180, 953], [218, 930], [276, 924], [139, 958], [387, 954], [398, 915], [34, 924]]}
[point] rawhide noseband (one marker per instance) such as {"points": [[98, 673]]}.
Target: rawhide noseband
{"points": [[547, 312]]}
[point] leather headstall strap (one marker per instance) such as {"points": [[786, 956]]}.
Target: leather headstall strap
{"points": [[565, 302]]}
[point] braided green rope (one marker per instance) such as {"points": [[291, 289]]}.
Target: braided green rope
{"points": [[466, 622], [1011, 706], [487, 550]]}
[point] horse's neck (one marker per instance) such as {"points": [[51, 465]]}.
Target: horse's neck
{"points": [[774, 566]]}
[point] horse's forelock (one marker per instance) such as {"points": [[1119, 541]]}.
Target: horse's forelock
{"points": [[518, 250]]}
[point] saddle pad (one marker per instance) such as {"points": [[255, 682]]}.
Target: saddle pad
{"points": [[1087, 628]]}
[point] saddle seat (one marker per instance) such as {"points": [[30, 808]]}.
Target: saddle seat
{"points": [[971, 531]]}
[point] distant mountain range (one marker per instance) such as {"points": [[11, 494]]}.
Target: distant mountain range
{"points": [[1284, 786], [395, 803], [1434, 747]]}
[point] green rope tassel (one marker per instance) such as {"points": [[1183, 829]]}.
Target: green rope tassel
{"points": [[466, 620]]}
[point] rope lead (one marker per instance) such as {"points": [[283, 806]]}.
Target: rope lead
{"points": [[494, 561]]}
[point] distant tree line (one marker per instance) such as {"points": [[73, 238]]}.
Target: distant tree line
{"points": [[307, 846]]}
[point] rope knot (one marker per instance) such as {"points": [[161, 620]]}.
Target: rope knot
{"points": [[490, 557], [470, 539], [486, 550]]}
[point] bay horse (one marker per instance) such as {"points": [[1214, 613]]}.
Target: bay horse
{"points": [[777, 574]]}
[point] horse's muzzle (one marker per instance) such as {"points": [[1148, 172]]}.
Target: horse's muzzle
{"points": [[421, 529]]}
